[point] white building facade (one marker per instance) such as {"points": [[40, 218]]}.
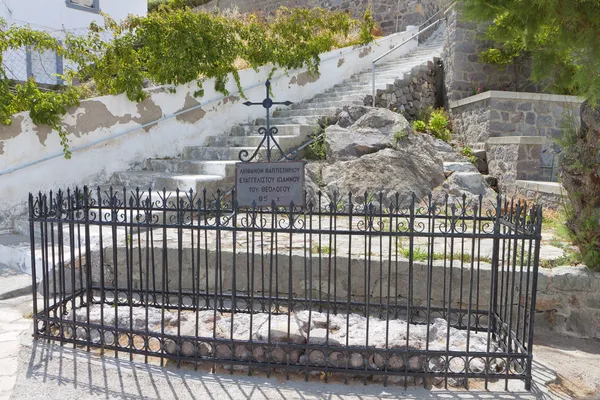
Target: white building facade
{"points": [[56, 17]]}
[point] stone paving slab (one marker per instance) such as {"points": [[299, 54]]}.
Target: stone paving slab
{"points": [[37, 369], [13, 283]]}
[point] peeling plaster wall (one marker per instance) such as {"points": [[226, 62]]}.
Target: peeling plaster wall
{"points": [[102, 118]]}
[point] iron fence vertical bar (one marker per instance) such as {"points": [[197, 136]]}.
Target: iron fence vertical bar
{"points": [[470, 306], [33, 264], [102, 278], [71, 228], [129, 263], [61, 265], [180, 222], [449, 314], [536, 263], [234, 288], [349, 296], [290, 307], [88, 256], [43, 206], [493, 299], [196, 291], [164, 297], [411, 258], [149, 244], [373, 66], [217, 305]]}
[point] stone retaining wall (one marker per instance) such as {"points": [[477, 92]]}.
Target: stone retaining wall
{"points": [[478, 118], [549, 194], [514, 158], [568, 299], [464, 74], [392, 15], [413, 92]]}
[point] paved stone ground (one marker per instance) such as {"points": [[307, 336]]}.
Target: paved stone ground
{"points": [[565, 368]]}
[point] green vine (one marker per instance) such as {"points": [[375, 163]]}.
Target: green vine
{"points": [[172, 46]]}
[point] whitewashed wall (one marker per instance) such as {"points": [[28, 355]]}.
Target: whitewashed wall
{"points": [[108, 134], [55, 17]]}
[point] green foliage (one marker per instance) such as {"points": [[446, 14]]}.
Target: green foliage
{"points": [[153, 5], [580, 150], [367, 27], [561, 37], [438, 125], [317, 150], [419, 126], [323, 249], [399, 135], [172, 46], [468, 152], [424, 114]]}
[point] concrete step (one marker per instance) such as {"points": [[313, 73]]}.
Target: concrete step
{"points": [[169, 181], [191, 167], [282, 130], [204, 153], [306, 112], [326, 104], [285, 141], [15, 251], [14, 283], [304, 120], [334, 97]]}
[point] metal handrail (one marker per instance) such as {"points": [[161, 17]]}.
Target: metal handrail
{"points": [[416, 35]]}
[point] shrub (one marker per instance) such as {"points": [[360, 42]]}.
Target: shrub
{"points": [[153, 5], [438, 125], [468, 152], [419, 126]]}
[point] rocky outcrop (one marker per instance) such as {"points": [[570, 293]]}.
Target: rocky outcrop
{"points": [[361, 131], [374, 151]]}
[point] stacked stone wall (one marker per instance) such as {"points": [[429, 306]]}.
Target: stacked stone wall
{"points": [[411, 93], [500, 114], [465, 75], [391, 15]]}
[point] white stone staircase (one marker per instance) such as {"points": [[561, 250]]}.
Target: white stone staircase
{"points": [[212, 165]]}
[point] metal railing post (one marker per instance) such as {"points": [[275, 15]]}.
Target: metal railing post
{"points": [[374, 83]]}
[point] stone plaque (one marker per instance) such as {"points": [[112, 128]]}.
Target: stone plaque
{"points": [[263, 183]]}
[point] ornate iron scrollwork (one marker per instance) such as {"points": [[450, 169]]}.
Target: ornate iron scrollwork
{"points": [[268, 132]]}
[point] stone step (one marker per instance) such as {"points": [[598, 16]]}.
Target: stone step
{"points": [[318, 111], [363, 87], [282, 130], [204, 153], [14, 283], [334, 97], [191, 167], [304, 120], [327, 104], [284, 141], [169, 181]]}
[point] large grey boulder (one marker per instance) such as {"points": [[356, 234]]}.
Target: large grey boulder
{"points": [[405, 170], [372, 131], [471, 184]]}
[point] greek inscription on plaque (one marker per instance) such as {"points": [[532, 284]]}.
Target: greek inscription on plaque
{"points": [[265, 183]]}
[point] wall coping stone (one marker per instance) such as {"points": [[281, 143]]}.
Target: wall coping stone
{"points": [[523, 140], [542, 187], [520, 96]]}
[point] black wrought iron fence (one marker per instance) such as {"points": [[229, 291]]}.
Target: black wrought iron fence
{"points": [[397, 291]]}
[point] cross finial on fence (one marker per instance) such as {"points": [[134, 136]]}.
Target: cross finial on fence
{"points": [[268, 131]]}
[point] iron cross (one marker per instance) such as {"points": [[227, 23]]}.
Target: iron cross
{"points": [[268, 132]]}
